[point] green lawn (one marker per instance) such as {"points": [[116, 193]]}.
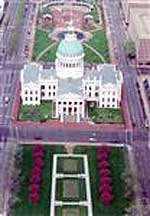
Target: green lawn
{"points": [[24, 207], [40, 112], [117, 168], [71, 211], [42, 41], [98, 42], [105, 115], [69, 165]]}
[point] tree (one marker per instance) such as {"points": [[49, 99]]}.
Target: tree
{"points": [[129, 47]]}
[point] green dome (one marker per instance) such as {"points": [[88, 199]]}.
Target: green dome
{"points": [[70, 48]]}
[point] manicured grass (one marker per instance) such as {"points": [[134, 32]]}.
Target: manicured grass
{"points": [[42, 41], [98, 42], [71, 211], [70, 165], [117, 168], [50, 55], [105, 115], [40, 112], [70, 189], [24, 207]]}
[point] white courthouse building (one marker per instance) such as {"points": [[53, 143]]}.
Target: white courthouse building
{"points": [[69, 85]]}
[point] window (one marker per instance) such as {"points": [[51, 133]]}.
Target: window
{"points": [[42, 87], [59, 102], [96, 88], [26, 98], [108, 105], [75, 109], [36, 92], [64, 109], [113, 92], [75, 103], [108, 99], [49, 94], [26, 92], [36, 98], [90, 94], [103, 99], [43, 94], [108, 92], [90, 88], [64, 102], [31, 98], [85, 87], [53, 93], [103, 105], [49, 87], [113, 105], [103, 92], [31, 92], [113, 99], [70, 103], [96, 94], [80, 103], [54, 87]]}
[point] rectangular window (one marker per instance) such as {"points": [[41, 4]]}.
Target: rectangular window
{"points": [[43, 94], [108, 99], [31, 92], [26, 92], [49, 87], [36, 98], [108, 105], [26, 98], [53, 93], [89, 94], [103, 105], [90, 88], [54, 87], [113, 99], [36, 92], [103, 99], [49, 94], [31, 98], [42, 87], [96, 94]]}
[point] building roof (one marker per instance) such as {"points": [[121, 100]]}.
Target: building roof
{"points": [[144, 50], [107, 73], [70, 46], [141, 19], [31, 73], [70, 85], [48, 73]]}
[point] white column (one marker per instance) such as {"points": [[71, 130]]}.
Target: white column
{"points": [[61, 114], [78, 113], [83, 109], [56, 112]]}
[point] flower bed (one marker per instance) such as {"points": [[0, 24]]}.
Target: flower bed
{"points": [[105, 187], [36, 174]]}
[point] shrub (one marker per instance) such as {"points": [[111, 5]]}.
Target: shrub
{"points": [[105, 188], [106, 198]]}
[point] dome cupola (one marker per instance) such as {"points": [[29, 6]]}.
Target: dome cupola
{"points": [[70, 54]]}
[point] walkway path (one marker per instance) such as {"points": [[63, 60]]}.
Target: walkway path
{"points": [[45, 51], [96, 52]]}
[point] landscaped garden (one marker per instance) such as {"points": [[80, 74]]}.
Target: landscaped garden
{"points": [[105, 115], [40, 112], [24, 206], [116, 167], [99, 43], [106, 166]]}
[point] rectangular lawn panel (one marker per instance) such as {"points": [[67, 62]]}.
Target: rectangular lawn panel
{"points": [[70, 165], [71, 211], [117, 163], [70, 189], [105, 115], [40, 112], [23, 207]]}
